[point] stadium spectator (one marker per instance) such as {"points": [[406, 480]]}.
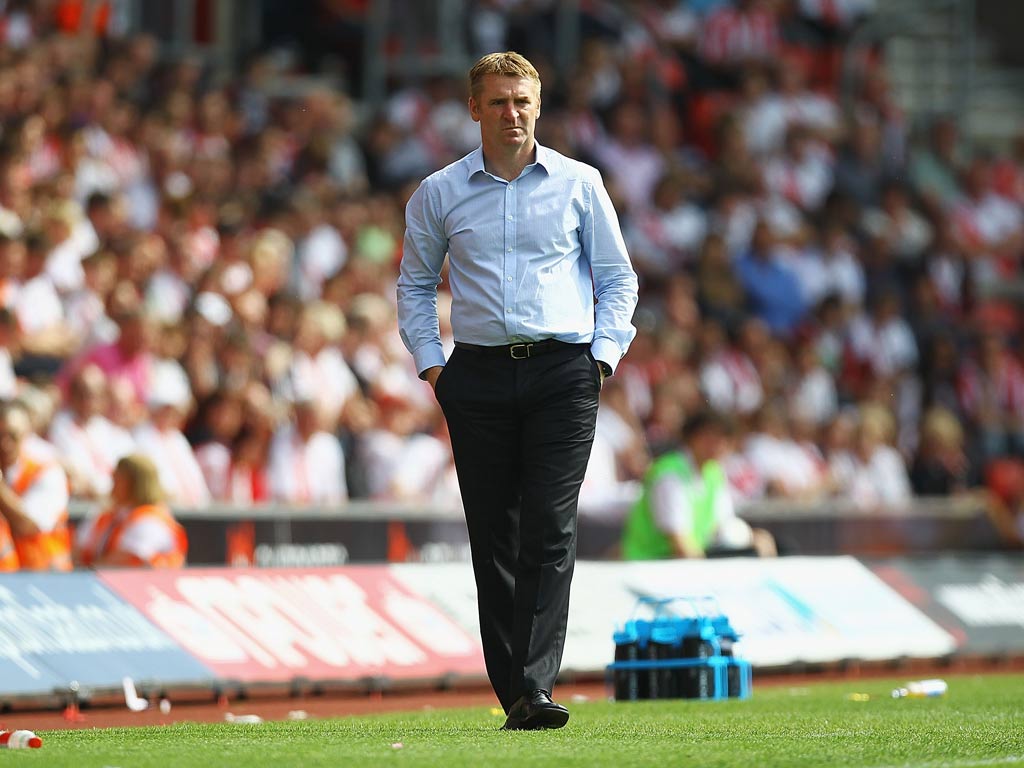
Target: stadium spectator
{"points": [[773, 291], [85, 308], [934, 169], [686, 508], [245, 479], [834, 269], [618, 459], [161, 440], [628, 158], [896, 227], [8, 352], [306, 464], [215, 428], [33, 500], [317, 365], [879, 478], [1008, 172], [128, 358], [882, 340], [789, 468], [728, 377], [940, 466], [402, 455], [137, 529], [737, 35], [46, 336], [771, 114], [991, 387], [88, 443], [666, 235], [70, 237], [379, 362], [719, 294], [861, 167], [803, 172], [988, 227], [812, 395]]}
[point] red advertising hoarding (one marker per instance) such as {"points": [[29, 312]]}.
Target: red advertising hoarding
{"points": [[281, 624]]}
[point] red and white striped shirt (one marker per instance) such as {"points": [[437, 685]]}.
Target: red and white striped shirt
{"points": [[1001, 390], [732, 36]]}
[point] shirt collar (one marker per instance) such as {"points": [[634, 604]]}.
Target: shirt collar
{"points": [[475, 162], [546, 159]]}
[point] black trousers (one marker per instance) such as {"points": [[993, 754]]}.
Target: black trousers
{"points": [[521, 433]]}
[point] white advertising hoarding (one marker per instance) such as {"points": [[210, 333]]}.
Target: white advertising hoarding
{"points": [[787, 610]]}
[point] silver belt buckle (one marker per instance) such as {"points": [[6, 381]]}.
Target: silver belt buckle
{"points": [[520, 351]]}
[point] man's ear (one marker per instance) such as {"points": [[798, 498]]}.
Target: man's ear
{"points": [[473, 111]]}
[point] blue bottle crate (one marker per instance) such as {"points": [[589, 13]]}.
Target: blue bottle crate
{"points": [[670, 655]]}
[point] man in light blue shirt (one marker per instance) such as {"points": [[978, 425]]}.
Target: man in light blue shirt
{"points": [[542, 299]]}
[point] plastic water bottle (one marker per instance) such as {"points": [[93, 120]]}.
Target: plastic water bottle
{"points": [[921, 689], [19, 740]]}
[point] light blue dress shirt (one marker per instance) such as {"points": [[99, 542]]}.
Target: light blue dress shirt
{"points": [[526, 259]]}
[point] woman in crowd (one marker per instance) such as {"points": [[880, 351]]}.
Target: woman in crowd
{"points": [[137, 528]]}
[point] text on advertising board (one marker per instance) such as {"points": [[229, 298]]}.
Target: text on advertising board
{"points": [[278, 624]]}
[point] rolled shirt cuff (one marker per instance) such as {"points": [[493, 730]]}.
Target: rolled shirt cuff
{"points": [[606, 350], [428, 356]]}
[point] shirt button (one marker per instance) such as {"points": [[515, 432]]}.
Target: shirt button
{"points": [[509, 278], [510, 250], [508, 310], [512, 186], [510, 218]]}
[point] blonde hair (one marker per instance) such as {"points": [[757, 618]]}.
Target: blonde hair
{"points": [[143, 479], [942, 426], [326, 318], [270, 249], [877, 422], [507, 63]]}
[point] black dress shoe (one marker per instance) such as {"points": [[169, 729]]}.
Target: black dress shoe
{"points": [[536, 710]]}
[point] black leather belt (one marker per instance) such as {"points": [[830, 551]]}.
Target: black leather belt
{"points": [[518, 351]]}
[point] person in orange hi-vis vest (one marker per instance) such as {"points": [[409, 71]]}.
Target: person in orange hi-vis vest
{"points": [[137, 528], [33, 501]]}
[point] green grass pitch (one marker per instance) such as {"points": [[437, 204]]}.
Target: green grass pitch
{"points": [[980, 722]]}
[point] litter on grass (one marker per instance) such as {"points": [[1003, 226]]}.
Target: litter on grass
{"points": [[242, 719], [132, 700]]}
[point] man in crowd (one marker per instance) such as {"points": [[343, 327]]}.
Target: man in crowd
{"points": [[686, 509], [33, 501]]}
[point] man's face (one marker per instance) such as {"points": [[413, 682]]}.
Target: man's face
{"points": [[13, 429], [88, 392], [507, 109], [708, 444]]}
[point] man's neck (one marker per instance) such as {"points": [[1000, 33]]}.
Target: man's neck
{"points": [[509, 166]]}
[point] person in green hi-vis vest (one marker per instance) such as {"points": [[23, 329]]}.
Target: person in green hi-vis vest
{"points": [[686, 508]]}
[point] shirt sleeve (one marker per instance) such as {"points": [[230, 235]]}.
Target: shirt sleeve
{"points": [[615, 282], [279, 464], [671, 506], [723, 506], [46, 500], [146, 538], [423, 255], [329, 460]]}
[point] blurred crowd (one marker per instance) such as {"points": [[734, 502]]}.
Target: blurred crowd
{"points": [[201, 268]]}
